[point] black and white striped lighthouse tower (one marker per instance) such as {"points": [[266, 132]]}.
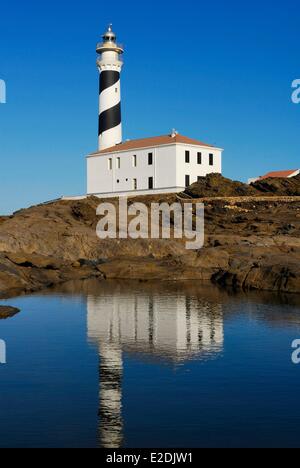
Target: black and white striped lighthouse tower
{"points": [[109, 64]]}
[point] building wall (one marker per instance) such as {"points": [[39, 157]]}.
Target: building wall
{"points": [[168, 170], [102, 180], [193, 169]]}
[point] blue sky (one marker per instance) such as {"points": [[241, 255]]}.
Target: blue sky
{"points": [[218, 71]]}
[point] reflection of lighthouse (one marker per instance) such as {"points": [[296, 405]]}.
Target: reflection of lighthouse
{"points": [[174, 328], [110, 396]]}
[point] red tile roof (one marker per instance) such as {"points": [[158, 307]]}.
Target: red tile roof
{"points": [[279, 174], [151, 142]]}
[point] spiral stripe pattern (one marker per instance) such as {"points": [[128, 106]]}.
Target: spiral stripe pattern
{"points": [[110, 123]]}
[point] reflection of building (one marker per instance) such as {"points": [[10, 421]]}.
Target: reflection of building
{"points": [[171, 327]]}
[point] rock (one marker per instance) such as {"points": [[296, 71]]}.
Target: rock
{"points": [[250, 242], [11, 278], [8, 312], [274, 274], [279, 186], [215, 185], [31, 260], [3, 219], [286, 229]]}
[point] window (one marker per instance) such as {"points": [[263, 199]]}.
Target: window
{"points": [[134, 184], [211, 159], [199, 156], [110, 163], [187, 157], [118, 163], [150, 159], [134, 160], [187, 181], [150, 183], [118, 181]]}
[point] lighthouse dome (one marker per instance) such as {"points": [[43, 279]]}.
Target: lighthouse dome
{"points": [[109, 35]]}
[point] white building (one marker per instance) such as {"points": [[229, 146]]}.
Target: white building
{"points": [[166, 164], [154, 165]]}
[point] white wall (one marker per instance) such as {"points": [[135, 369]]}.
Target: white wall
{"points": [[165, 167], [193, 169], [168, 170], [103, 180]]}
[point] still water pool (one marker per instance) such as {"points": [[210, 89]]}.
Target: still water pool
{"points": [[120, 364]]}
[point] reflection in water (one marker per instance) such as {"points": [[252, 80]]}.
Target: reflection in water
{"points": [[110, 397], [244, 396], [173, 328]]}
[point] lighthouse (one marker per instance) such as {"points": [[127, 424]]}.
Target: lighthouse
{"points": [[147, 166], [109, 64]]}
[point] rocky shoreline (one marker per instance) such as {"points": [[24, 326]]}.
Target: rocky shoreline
{"points": [[251, 242]]}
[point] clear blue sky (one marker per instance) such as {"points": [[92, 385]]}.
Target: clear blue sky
{"points": [[218, 71]]}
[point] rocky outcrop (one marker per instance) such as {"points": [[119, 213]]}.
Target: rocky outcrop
{"points": [[8, 312], [251, 242], [279, 186], [274, 273], [26, 272], [215, 185]]}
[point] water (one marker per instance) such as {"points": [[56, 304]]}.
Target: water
{"points": [[113, 364]]}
